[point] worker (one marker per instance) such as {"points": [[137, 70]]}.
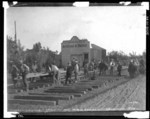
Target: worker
{"points": [[34, 67], [119, 68], [76, 70], [55, 70], [24, 71], [112, 66], [131, 69], [14, 73], [68, 73]]}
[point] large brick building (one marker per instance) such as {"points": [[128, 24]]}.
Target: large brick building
{"points": [[80, 49]]}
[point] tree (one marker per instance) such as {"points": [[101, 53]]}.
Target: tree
{"points": [[113, 55], [15, 51], [118, 56], [132, 55], [144, 56], [37, 47], [30, 57], [20, 50], [43, 56]]}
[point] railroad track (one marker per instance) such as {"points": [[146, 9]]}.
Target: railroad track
{"points": [[129, 96], [65, 95]]}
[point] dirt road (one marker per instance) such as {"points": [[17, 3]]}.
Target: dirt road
{"points": [[128, 96]]}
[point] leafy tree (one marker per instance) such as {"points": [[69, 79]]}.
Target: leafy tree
{"points": [[37, 47], [132, 55], [117, 56], [42, 55], [144, 55], [15, 51]]}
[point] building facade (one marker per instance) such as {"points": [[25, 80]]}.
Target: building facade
{"points": [[80, 49]]}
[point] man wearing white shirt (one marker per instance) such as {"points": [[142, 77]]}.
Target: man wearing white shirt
{"points": [[112, 66], [55, 71], [34, 67], [76, 71]]}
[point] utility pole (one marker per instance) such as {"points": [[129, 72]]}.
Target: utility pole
{"points": [[15, 37], [15, 32]]}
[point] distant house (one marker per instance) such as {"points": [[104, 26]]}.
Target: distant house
{"points": [[80, 49]]}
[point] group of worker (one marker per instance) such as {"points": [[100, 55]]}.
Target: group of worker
{"points": [[21, 71], [135, 67], [102, 67], [73, 68]]}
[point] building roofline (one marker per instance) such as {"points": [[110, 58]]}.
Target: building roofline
{"points": [[75, 39], [96, 47]]}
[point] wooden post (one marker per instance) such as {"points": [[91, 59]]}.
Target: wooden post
{"points": [[15, 32]]}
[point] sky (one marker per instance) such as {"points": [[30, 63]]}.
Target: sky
{"points": [[121, 28]]}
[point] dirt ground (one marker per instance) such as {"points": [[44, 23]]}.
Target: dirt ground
{"points": [[128, 96]]}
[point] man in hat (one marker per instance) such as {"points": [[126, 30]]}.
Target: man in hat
{"points": [[112, 66], [119, 68], [105, 68], [24, 71], [68, 73], [142, 67], [76, 70], [93, 68], [136, 64], [55, 73], [131, 69], [14, 73], [34, 67], [101, 67], [86, 69]]}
